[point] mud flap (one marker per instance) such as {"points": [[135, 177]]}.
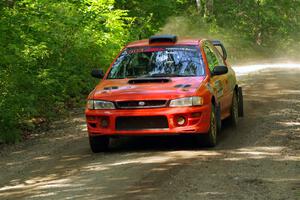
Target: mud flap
{"points": [[240, 102]]}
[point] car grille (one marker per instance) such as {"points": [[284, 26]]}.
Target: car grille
{"points": [[142, 104], [141, 123]]}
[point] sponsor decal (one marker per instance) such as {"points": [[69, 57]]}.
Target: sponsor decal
{"points": [[157, 49], [144, 49], [219, 88], [210, 89]]}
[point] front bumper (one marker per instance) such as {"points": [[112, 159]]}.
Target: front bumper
{"points": [[197, 121]]}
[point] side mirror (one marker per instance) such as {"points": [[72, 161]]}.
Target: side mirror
{"points": [[97, 73], [219, 70], [219, 45]]}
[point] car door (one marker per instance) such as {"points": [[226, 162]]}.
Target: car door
{"points": [[220, 82], [228, 83]]}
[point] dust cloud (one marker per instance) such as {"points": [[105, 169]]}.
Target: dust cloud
{"points": [[240, 52], [246, 69]]}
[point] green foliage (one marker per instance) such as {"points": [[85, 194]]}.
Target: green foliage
{"points": [[47, 50], [249, 28], [150, 16], [262, 21]]}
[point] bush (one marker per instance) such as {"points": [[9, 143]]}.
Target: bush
{"points": [[47, 50]]}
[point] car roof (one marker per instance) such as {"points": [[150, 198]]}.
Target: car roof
{"points": [[180, 42]]}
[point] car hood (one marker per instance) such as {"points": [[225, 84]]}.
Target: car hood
{"points": [[128, 89]]}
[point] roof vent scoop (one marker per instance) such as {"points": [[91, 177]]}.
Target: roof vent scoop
{"points": [[162, 38]]}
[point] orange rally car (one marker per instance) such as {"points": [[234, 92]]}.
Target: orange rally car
{"points": [[164, 86]]}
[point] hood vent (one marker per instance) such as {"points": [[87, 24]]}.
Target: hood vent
{"points": [[111, 88], [149, 80], [182, 86]]}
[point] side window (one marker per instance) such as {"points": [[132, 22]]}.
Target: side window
{"points": [[218, 55], [211, 58]]}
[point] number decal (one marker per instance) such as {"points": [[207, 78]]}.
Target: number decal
{"points": [[219, 88]]}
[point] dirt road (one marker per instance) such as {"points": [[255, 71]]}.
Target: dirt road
{"points": [[258, 160]]}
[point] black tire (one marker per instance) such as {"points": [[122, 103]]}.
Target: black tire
{"points": [[218, 117], [234, 112], [241, 102], [99, 143], [210, 139]]}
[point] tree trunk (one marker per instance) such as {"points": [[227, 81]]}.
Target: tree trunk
{"points": [[10, 3], [259, 26], [199, 6], [209, 7]]}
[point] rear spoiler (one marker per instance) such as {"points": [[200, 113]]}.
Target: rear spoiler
{"points": [[218, 43]]}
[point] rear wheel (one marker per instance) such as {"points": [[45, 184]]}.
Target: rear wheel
{"points": [[210, 139], [234, 112], [99, 143], [240, 102]]}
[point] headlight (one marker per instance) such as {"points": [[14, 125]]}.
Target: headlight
{"points": [[187, 101], [100, 105]]}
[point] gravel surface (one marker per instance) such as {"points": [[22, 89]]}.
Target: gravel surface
{"points": [[257, 160]]}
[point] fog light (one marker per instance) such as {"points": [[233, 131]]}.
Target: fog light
{"points": [[181, 121], [104, 122]]}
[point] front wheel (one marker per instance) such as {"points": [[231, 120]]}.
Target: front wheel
{"points": [[99, 143], [210, 139]]}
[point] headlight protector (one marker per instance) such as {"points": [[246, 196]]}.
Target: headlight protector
{"points": [[186, 101], [100, 105]]}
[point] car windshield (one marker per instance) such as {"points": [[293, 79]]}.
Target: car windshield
{"points": [[139, 62]]}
